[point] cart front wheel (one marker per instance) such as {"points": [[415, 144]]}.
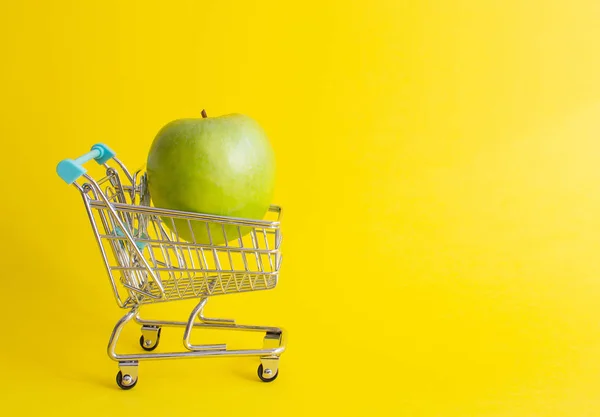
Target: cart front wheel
{"points": [[126, 381], [267, 376]]}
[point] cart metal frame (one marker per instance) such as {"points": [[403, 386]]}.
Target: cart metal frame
{"points": [[148, 262]]}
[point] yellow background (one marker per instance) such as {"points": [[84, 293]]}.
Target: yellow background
{"points": [[438, 164]]}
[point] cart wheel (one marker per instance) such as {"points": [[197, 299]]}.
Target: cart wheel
{"points": [[125, 382], [266, 379], [152, 347]]}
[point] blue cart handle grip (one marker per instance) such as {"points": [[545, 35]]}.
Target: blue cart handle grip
{"points": [[70, 170]]}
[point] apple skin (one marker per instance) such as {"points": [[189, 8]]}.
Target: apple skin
{"points": [[221, 165]]}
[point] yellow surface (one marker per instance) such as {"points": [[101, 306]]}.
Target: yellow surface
{"points": [[438, 167]]}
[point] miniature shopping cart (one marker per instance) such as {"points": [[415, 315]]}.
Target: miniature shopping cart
{"points": [[147, 262]]}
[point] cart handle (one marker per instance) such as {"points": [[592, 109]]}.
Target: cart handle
{"points": [[70, 170]]}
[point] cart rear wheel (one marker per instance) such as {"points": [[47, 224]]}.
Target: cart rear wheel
{"points": [[125, 381], [150, 347], [270, 378]]}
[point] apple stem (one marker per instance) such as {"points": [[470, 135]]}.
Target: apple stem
{"points": [[204, 115]]}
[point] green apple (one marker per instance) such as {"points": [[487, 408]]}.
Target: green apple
{"points": [[222, 165]]}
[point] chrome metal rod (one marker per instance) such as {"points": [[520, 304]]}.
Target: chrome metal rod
{"points": [[197, 353], [114, 337], [188, 330], [240, 327], [209, 325], [214, 320], [228, 249], [150, 210]]}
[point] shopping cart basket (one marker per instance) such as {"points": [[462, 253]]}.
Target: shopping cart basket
{"points": [[148, 263]]}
